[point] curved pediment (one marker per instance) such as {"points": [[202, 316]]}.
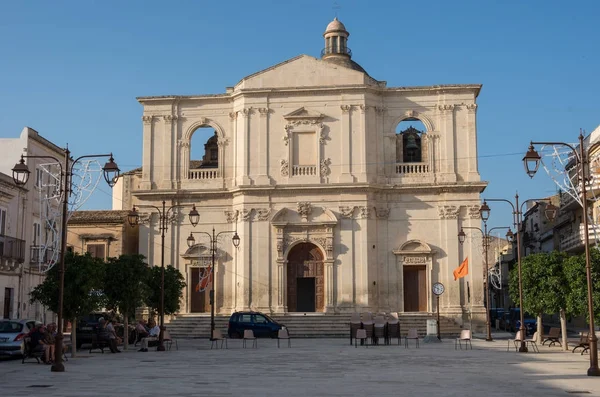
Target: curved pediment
{"points": [[414, 247], [303, 214], [196, 251]]}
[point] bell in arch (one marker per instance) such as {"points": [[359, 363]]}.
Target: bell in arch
{"points": [[411, 142]]}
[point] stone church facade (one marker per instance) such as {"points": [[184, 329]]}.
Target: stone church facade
{"points": [[337, 211]]}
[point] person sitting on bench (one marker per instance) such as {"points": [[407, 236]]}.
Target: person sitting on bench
{"points": [[36, 337], [104, 335], [153, 335]]}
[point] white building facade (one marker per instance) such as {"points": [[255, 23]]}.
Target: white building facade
{"points": [[25, 221], [337, 210]]}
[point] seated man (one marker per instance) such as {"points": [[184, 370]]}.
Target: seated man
{"points": [[153, 335], [113, 339], [48, 342], [36, 336], [104, 335], [141, 330]]}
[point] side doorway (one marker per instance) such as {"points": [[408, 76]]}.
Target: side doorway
{"points": [[415, 288]]}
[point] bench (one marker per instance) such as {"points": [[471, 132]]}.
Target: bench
{"points": [[553, 337], [99, 344], [30, 352], [584, 342]]}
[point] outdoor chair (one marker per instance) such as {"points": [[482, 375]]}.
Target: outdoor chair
{"points": [[465, 335], [584, 342], [283, 334], [379, 330], [216, 337], [362, 335], [553, 337], [355, 324], [412, 334], [368, 325], [168, 340], [514, 341], [533, 342], [249, 335], [393, 328]]}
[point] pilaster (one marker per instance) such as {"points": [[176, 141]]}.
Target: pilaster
{"points": [[448, 170], [263, 174], [167, 151], [243, 147], [346, 138], [147, 156], [473, 174]]}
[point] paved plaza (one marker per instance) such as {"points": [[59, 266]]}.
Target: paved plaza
{"points": [[312, 367]]}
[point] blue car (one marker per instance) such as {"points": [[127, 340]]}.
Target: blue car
{"points": [[261, 324], [515, 322]]}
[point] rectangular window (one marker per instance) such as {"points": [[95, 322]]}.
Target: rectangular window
{"points": [[97, 250], [304, 149], [39, 177], [37, 233], [2, 222], [8, 303]]}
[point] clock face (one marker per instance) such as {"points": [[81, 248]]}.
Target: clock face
{"points": [[438, 288]]}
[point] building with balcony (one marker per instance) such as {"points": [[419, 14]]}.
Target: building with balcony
{"points": [[348, 195], [29, 235]]}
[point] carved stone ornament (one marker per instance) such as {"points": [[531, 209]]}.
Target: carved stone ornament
{"points": [[345, 108], [414, 259], [246, 214], [286, 134], [411, 113], [472, 107], [263, 111], [263, 213], [231, 216], [182, 143], [246, 112], [448, 211], [222, 142], [304, 209], [473, 211], [346, 211], [285, 168], [232, 115], [446, 108], [380, 109], [323, 134], [382, 213], [169, 118], [145, 218], [365, 212], [325, 167], [147, 119]]}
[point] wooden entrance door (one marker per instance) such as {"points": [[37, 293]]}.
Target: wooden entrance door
{"points": [[305, 262], [415, 288], [200, 302]]}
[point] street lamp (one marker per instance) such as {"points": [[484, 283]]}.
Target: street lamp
{"points": [[21, 176], [486, 243], [213, 244], [550, 211], [531, 160], [163, 218]]}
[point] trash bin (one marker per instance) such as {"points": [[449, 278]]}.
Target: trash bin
{"points": [[432, 327]]}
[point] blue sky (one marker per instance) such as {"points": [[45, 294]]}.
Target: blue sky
{"points": [[72, 69]]}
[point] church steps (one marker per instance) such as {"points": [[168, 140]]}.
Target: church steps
{"points": [[309, 326]]}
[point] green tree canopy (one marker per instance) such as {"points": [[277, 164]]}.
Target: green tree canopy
{"points": [[125, 283], [577, 302], [84, 279], [174, 285]]}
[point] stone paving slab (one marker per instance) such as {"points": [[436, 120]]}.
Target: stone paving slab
{"points": [[312, 367]]}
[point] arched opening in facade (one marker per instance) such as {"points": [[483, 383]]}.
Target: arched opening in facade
{"points": [[305, 279], [409, 141], [204, 149]]}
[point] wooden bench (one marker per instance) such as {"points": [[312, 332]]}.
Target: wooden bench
{"points": [[584, 342], [553, 337], [30, 352], [99, 344]]}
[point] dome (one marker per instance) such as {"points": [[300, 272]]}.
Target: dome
{"points": [[335, 26], [347, 63]]}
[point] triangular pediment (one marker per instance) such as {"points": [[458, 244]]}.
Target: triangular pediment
{"points": [[303, 114], [304, 71]]}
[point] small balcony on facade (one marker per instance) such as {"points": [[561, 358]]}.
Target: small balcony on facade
{"points": [[574, 241], [39, 254], [12, 249]]}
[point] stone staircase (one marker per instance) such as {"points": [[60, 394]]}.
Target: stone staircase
{"points": [[305, 326]]}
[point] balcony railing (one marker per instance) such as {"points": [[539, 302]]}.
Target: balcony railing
{"points": [[331, 50], [304, 170], [574, 240], [40, 254], [412, 168], [204, 174], [12, 248]]}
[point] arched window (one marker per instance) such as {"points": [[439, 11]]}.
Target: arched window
{"points": [[204, 149], [409, 148]]}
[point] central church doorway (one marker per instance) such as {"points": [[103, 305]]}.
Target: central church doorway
{"points": [[199, 290], [305, 280]]}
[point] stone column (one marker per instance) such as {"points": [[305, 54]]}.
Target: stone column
{"points": [[345, 137], [329, 286], [448, 172], [263, 171], [147, 156]]}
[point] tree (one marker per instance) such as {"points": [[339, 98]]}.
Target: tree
{"points": [[125, 286], [545, 287], [577, 302], [174, 285], [82, 294]]}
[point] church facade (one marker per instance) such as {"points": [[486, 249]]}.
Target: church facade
{"points": [[336, 209]]}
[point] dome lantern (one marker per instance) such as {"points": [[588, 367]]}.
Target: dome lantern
{"points": [[336, 38]]}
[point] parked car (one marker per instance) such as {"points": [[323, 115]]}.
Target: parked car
{"points": [[88, 325], [261, 324], [515, 322], [12, 333]]}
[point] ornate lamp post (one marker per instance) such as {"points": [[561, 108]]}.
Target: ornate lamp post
{"points": [[213, 244], [531, 160], [21, 176], [486, 243], [163, 215], [550, 213]]}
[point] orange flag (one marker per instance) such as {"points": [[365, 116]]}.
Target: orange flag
{"points": [[462, 270]]}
